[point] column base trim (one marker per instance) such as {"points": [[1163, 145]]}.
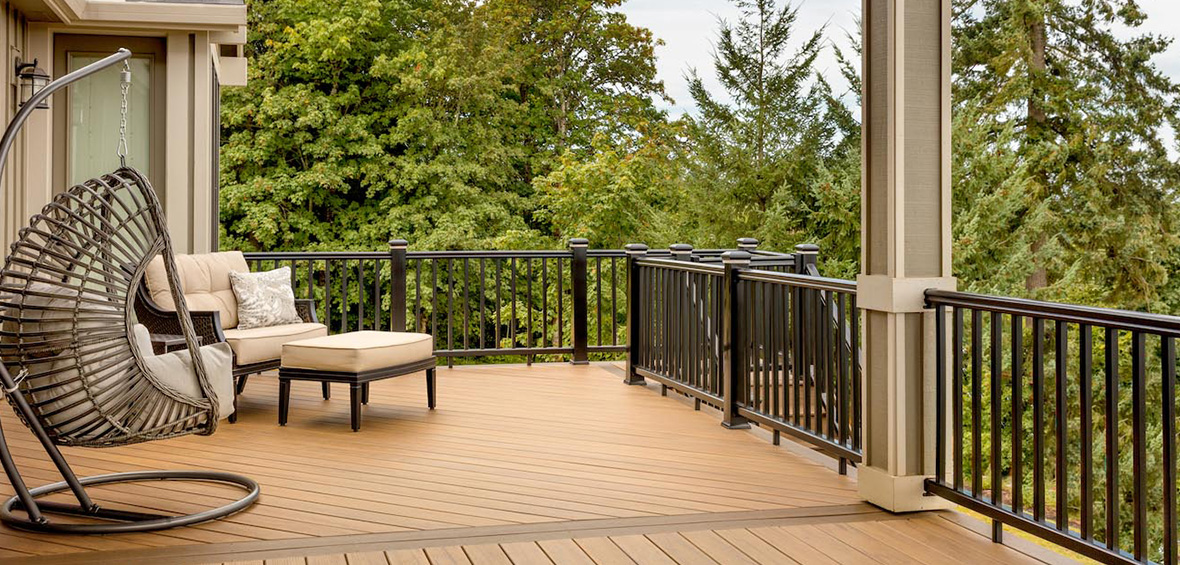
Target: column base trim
{"points": [[906, 493]]}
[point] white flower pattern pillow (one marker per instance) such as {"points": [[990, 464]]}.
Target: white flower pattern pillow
{"points": [[264, 299]]}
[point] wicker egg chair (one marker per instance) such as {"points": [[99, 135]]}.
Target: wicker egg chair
{"points": [[69, 332]]}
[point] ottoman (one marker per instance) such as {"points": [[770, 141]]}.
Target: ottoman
{"points": [[355, 358]]}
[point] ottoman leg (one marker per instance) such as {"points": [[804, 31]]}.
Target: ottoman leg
{"points": [[284, 400], [430, 388], [365, 394], [233, 418], [327, 391], [355, 393]]}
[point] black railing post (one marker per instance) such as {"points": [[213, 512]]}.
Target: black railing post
{"points": [[747, 244], [635, 252], [397, 284], [681, 251], [733, 366], [806, 255], [578, 247]]}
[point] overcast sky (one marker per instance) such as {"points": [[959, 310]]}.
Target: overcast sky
{"points": [[689, 28]]}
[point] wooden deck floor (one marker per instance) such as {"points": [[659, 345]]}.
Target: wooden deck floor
{"points": [[550, 463]]}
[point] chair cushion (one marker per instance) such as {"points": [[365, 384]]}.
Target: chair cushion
{"points": [[356, 352], [265, 299], [175, 371], [204, 281], [57, 386], [256, 345]]}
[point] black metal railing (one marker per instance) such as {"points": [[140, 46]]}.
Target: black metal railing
{"points": [[567, 303], [780, 349], [1059, 420]]}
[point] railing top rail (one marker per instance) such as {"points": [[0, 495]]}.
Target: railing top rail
{"points": [[313, 255], [686, 266], [1129, 320], [802, 281], [492, 254]]}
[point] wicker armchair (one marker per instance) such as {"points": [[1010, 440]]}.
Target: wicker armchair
{"points": [[210, 327]]}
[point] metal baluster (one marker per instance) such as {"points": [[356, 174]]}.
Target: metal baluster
{"points": [[344, 295], [434, 296], [598, 295], [1062, 483], [512, 285], [328, 294], [1017, 414], [1086, 400], [1112, 438], [528, 338], [976, 401], [499, 288], [854, 354], [1038, 361], [482, 297], [418, 294], [614, 300], [957, 399], [841, 369], [1139, 445], [544, 301], [450, 285], [466, 304], [1168, 418], [360, 294], [940, 423], [997, 446]]}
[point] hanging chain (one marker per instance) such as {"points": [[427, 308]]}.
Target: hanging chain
{"points": [[124, 86]]}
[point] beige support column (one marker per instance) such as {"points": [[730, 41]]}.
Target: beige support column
{"points": [[202, 158], [178, 160], [38, 134], [906, 241]]}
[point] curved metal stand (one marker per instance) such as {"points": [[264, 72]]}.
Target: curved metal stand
{"points": [[123, 522], [25, 501]]}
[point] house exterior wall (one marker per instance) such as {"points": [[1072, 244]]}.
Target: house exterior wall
{"points": [[195, 35]]}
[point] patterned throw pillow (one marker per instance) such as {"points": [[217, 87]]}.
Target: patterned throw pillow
{"points": [[264, 299]]}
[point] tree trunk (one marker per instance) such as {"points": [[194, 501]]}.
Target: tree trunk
{"points": [[1035, 134]]}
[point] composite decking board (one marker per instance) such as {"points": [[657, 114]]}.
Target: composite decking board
{"points": [[549, 462], [807, 545]]}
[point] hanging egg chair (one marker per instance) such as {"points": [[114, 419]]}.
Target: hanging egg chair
{"points": [[85, 372]]}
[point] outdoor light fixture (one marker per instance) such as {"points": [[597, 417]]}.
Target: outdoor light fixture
{"points": [[32, 80]]}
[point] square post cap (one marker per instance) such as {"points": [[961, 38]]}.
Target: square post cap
{"points": [[579, 242], [747, 243], [635, 248], [735, 257], [680, 248], [807, 248], [398, 244]]}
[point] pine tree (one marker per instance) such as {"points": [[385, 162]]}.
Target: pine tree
{"points": [[762, 151], [1076, 118]]}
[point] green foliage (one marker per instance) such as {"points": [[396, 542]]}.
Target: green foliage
{"points": [[1059, 129], [422, 119]]}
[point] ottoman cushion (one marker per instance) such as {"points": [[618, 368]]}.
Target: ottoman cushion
{"points": [[356, 352]]}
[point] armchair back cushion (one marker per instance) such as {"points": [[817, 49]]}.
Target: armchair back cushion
{"points": [[204, 280]]}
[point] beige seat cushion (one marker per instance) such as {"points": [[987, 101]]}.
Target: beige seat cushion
{"points": [[357, 352], [256, 345], [204, 281], [59, 386]]}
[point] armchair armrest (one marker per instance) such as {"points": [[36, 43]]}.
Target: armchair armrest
{"points": [[159, 321], [306, 309]]}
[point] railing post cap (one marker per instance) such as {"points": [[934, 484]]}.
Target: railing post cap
{"points": [[747, 242], [807, 248], [579, 242], [680, 247], [635, 248], [735, 257], [398, 244]]}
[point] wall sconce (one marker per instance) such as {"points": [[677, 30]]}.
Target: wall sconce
{"points": [[32, 80]]}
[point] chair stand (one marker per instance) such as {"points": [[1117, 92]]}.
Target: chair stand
{"points": [[35, 517], [119, 521]]}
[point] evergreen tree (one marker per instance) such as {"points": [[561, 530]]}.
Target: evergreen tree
{"points": [[1074, 117], [752, 163]]}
